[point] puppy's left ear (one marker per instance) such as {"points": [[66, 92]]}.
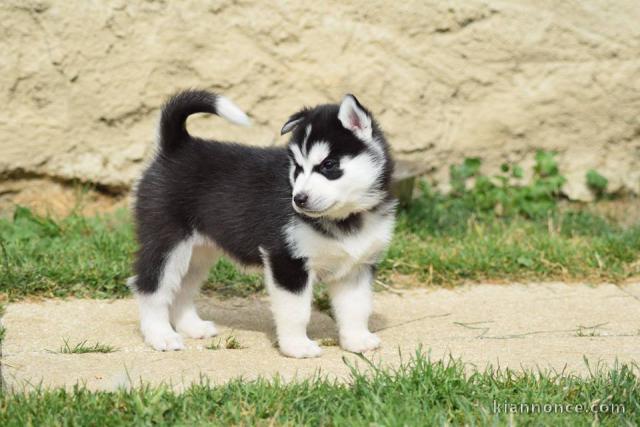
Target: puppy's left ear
{"points": [[355, 117], [293, 121]]}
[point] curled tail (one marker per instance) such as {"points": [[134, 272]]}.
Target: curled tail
{"points": [[173, 130]]}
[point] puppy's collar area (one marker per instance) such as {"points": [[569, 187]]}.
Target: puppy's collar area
{"points": [[333, 228], [351, 223]]}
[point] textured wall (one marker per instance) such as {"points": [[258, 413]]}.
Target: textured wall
{"points": [[81, 81]]}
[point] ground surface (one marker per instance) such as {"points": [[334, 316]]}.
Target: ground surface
{"points": [[551, 325]]}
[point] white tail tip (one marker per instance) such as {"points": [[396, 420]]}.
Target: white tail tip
{"points": [[230, 111]]}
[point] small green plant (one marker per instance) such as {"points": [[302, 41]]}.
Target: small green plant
{"points": [[329, 342], [597, 183], [503, 194], [230, 343], [226, 280], [587, 331], [82, 347], [214, 345], [321, 300]]}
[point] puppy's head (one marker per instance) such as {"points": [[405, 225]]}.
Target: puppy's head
{"points": [[339, 160]]}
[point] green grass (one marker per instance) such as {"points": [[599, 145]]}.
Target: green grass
{"points": [[566, 246], [84, 257], [488, 228], [83, 347], [229, 343], [437, 241], [418, 393]]}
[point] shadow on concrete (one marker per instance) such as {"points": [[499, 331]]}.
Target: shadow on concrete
{"points": [[254, 314]]}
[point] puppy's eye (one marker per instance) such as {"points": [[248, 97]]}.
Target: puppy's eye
{"points": [[329, 165]]}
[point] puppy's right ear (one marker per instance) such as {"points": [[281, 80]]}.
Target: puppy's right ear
{"points": [[293, 121]]}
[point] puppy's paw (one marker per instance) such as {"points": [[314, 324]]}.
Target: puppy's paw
{"points": [[359, 342], [300, 348], [164, 341], [198, 329]]}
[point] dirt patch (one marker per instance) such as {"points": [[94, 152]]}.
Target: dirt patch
{"points": [[46, 197]]}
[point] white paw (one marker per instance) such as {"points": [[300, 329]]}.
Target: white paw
{"points": [[360, 342], [164, 341], [300, 348], [198, 329]]}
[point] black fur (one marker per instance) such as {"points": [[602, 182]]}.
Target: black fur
{"points": [[238, 196], [173, 131], [289, 272], [326, 126]]}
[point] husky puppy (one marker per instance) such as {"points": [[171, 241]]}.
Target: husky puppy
{"points": [[317, 210]]}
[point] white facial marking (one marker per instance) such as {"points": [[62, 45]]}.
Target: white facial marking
{"points": [[297, 155], [354, 191], [310, 181], [305, 141]]}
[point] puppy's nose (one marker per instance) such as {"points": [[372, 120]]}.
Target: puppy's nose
{"points": [[300, 199]]}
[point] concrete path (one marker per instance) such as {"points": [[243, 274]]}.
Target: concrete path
{"points": [[516, 326]]}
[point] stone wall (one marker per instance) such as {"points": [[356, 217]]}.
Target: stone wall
{"points": [[82, 81]]}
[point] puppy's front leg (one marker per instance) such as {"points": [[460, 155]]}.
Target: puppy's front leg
{"points": [[352, 301], [291, 290]]}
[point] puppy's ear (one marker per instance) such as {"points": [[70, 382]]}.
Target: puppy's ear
{"points": [[293, 121], [355, 117]]}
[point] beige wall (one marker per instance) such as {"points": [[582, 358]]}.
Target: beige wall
{"points": [[81, 81]]}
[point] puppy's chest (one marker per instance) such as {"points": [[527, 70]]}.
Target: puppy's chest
{"points": [[332, 258]]}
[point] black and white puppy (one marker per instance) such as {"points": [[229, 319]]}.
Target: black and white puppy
{"points": [[317, 210]]}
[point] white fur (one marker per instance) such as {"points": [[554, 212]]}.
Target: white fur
{"points": [[343, 262], [352, 302], [333, 259], [291, 313], [183, 310], [185, 268], [230, 111], [305, 141], [353, 192]]}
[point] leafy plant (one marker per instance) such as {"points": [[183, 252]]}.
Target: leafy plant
{"points": [[597, 183], [230, 343], [504, 195]]}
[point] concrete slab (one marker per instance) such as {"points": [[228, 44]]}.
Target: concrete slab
{"points": [[551, 325]]}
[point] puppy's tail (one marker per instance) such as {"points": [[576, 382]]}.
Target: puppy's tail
{"points": [[173, 130]]}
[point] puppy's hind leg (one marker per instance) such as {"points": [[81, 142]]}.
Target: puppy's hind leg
{"points": [[159, 277], [184, 315]]}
